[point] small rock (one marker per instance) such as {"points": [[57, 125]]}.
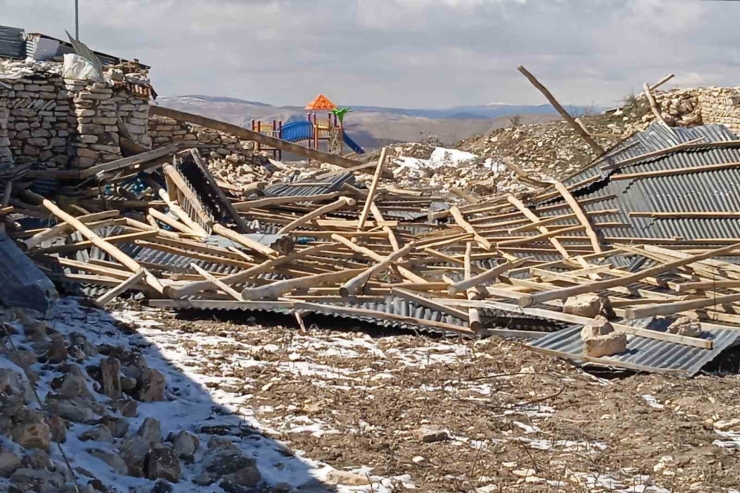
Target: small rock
{"points": [[685, 326], [71, 410], [431, 434], [118, 426], [150, 430], [37, 459], [127, 383], [606, 345], [203, 479], [112, 459], [128, 409], [152, 386], [9, 462], [24, 359], [58, 427], [283, 488], [32, 435], [74, 386], [12, 384], [586, 305], [99, 434], [110, 369], [185, 444], [162, 462], [134, 451], [57, 352], [28, 479], [162, 486]]}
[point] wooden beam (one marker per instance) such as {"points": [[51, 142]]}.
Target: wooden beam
{"points": [[245, 134], [373, 188], [653, 104], [132, 160], [354, 285], [687, 215], [471, 292], [679, 306], [563, 112], [60, 228], [99, 242], [661, 82], [563, 293], [573, 203], [483, 277], [174, 223], [678, 171], [536, 220], [216, 282], [460, 220], [124, 286], [247, 242], [539, 237], [324, 209], [273, 201], [277, 288], [567, 317], [403, 271]]}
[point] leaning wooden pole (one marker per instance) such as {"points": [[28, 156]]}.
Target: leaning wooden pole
{"points": [[373, 188], [563, 112]]}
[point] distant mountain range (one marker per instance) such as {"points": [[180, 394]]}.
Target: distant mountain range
{"points": [[372, 126]]}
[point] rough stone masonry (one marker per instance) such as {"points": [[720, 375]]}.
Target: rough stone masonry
{"points": [[64, 123]]}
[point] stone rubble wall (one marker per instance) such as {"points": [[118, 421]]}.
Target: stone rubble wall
{"points": [[68, 124], [6, 156], [721, 105], [165, 131], [700, 106]]}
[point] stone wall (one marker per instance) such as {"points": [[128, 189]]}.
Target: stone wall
{"points": [[64, 123], [164, 131], [6, 156], [721, 105], [39, 119]]}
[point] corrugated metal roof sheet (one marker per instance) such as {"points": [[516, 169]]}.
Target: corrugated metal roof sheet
{"points": [[332, 184], [11, 42], [642, 354]]}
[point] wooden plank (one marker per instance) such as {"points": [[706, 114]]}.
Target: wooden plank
{"points": [[460, 220], [403, 271], [373, 188], [273, 201], [563, 293], [583, 133], [542, 236], [354, 285], [249, 273], [212, 279], [573, 203], [542, 229], [678, 171], [429, 303], [324, 209], [483, 277], [471, 292], [249, 242], [174, 223], [277, 288], [544, 221], [132, 160], [679, 306], [124, 286], [245, 134], [61, 228], [687, 215], [81, 245]]}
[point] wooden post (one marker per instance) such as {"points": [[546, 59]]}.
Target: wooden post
{"points": [[591, 142], [653, 104], [373, 189], [472, 293]]}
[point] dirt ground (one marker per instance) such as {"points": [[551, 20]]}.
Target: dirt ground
{"points": [[509, 419]]}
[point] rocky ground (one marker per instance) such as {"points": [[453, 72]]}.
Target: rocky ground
{"points": [[153, 401]]}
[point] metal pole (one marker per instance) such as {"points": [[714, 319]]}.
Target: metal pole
{"points": [[77, 20]]}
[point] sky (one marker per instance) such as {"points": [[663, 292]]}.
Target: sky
{"points": [[405, 53]]}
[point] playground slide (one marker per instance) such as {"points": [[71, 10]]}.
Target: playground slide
{"points": [[352, 144], [303, 130]]}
